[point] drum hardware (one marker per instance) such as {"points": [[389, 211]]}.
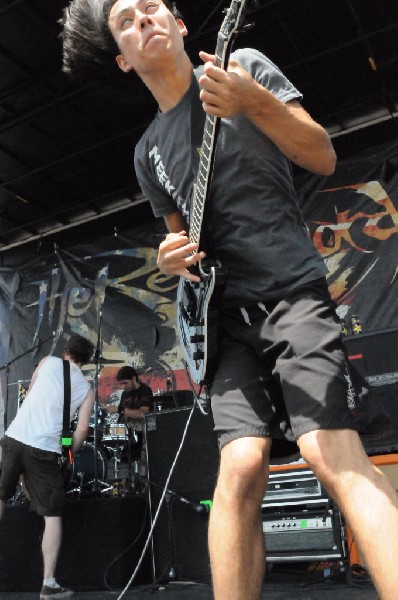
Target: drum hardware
{"points": [[164, 400], [86, 464], [21, 495], [116, 452], [96, 426], [98, 361], [138, 483], [124, 446]]}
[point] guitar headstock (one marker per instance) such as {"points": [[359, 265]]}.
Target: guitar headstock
{"points": [[234, 20]]}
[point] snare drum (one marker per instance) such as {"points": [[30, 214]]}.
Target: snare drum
{"points": [[117, 431]]}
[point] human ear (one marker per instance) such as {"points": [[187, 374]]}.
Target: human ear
{"points": [[182, 27], [123, 64]]}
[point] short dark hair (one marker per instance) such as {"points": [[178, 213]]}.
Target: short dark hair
{"points": [[79, 349], [89, 49], [126, 373]]}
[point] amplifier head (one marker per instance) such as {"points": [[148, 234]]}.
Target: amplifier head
{"points": [[287, 487]]}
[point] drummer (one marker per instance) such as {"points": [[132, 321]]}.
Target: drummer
{"points": [[135, 402]]}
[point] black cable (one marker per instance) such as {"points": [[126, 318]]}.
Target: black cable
{"points": [[120, 556], [162, 498]]}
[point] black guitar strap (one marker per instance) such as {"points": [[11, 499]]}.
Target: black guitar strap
{"points": [[66, 438]]}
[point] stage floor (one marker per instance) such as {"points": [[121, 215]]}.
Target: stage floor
{"points": [[99, 532], [190, 591]]}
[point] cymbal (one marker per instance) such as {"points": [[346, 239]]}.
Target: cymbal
{"points": [[108, 361]]}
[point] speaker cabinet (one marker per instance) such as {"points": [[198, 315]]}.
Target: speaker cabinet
{"points": [[374, 358], [180, 534]]}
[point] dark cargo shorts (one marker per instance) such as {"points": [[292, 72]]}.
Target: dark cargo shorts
{"points": [[282, 372], [43, 476]]}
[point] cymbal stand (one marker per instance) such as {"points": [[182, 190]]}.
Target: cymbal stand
{"points": [[95, 482]]}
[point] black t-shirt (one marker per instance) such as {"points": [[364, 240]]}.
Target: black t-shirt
{"points": [[142, 396], [255, 224]]}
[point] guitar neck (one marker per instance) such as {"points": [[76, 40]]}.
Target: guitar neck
{"points": [[207, 152]]}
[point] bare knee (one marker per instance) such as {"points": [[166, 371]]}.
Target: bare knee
{"points": [[244, 469], [335, 456]]}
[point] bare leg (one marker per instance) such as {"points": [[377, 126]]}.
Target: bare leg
{"points": [[236, 539], [51, 545], [365, 496]]}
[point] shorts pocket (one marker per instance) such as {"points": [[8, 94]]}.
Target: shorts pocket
{"points": [[44, 455]]}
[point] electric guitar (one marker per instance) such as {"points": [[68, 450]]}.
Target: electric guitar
{"points": [[197, 302]]}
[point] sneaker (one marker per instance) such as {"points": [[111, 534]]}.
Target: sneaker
{"points": [[48, 592]]}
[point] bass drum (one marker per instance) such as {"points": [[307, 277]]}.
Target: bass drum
{"points": [[83, 466]]}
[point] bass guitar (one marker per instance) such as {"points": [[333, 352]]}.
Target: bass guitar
{"points": [[197, 302]]}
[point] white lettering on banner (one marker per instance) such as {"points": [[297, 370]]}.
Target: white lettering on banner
{"points": [[165, 182]]}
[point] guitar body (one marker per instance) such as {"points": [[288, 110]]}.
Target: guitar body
{"points": [[197, 318], [197, 323]]}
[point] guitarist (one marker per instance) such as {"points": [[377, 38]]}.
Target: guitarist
{"points": [[281, 377], [32, 447]]}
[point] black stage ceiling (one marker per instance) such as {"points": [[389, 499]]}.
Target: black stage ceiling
{"points": [[66, 148]]}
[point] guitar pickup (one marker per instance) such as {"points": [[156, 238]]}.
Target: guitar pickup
{"points": [[199, 355], [188, 317], [184, 312], [197, 339]]}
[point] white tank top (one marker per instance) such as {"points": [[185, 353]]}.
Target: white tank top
{"points": [[38, 422]]}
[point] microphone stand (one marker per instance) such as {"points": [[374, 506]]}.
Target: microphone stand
{"points": [[169, 498], [6, 367]]}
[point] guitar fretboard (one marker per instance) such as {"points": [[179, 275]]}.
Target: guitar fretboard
{"points": [[212, 124]]}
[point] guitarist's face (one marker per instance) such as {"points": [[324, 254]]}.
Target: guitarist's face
{"points": [[147, 34]]}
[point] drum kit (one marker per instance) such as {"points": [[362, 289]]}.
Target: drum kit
{"points": [[109, 460]]}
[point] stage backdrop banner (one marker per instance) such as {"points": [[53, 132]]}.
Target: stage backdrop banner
{"points": [[114, 283], [352, 219], [112, 288]]}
